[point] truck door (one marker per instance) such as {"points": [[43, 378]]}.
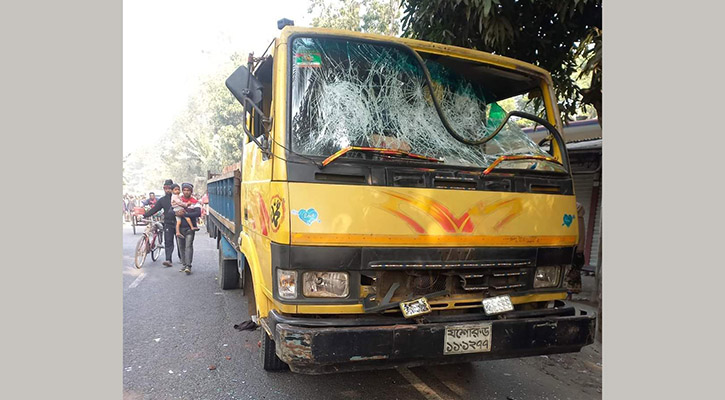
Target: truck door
{"points": [[256, 178], [256, 165]]}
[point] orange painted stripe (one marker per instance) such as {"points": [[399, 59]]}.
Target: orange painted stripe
{"points": [[332, 239], [530, 298], [416, 226]]}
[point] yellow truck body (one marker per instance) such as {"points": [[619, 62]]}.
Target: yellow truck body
{"points": [[347, 239]]}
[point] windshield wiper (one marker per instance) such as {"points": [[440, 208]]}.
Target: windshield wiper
{"points": [[377, 150], [518, 157]]}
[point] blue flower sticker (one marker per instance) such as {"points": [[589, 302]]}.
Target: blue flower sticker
{"points": [[568, 219], [308, 216]]}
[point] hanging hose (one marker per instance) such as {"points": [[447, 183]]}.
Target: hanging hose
{"points": [[455, 135]]}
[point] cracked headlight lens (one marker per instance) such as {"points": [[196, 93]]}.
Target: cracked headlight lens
{"points": [[287, 284], [547, 277], [325, 284]]}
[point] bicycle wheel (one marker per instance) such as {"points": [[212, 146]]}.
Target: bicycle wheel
{"points": [[141, 251], [156, 247]]}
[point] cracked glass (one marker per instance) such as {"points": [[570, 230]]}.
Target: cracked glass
{"points": [[353, 93]]}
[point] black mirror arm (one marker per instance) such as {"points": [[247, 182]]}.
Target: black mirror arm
{"points": [[553, 133], [455, 135], [265, 120]]}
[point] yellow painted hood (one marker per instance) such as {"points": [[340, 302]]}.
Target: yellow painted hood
{"points": [[352, 215]]}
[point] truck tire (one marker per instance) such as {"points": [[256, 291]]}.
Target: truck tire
{"points": [[228, 273], [269, 359]]}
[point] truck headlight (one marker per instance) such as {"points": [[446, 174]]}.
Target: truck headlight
{"points": [[547, 277], [325, 284], [287, 284]]}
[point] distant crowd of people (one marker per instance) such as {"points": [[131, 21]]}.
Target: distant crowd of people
{"points": [[182, 212]]}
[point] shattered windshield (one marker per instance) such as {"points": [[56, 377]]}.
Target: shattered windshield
{"points": [[350, 93]]}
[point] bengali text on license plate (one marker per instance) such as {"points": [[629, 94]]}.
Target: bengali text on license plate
{"points": [[473, 338]]}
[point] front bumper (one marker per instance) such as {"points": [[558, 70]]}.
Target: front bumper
{"points": [[319, 346]]}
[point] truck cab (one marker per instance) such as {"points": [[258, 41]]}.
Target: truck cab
{"points": [[390, 210]]}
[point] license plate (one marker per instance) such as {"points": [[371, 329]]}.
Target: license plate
{"points": [[497, 305], [415, 307], [462, 339]]}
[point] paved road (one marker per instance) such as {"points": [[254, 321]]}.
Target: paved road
{"points": [[176, 326]]}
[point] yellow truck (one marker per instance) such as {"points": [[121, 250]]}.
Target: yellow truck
{"points": [[389, 210]]}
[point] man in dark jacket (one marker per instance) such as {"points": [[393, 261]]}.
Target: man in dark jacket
{"points": [[169, 220], [186, 242]]}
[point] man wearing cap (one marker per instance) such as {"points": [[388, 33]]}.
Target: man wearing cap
{"points": [[169, 220], [186, 242]]}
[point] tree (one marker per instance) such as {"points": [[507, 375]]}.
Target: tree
{"points": [[382, 17], [374, 16], [141, 171], [590, 49], [556, 35], [206, 136]]}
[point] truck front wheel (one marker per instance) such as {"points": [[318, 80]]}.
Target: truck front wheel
{"points": [[228, 272], [270, 361]]}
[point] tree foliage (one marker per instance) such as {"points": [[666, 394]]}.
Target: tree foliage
{"points": [[590, 50], [206, 136], [556, 35], [374, 16]]}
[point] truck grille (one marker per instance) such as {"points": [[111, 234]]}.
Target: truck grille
{"points": [[488, 281], [498, 280]]}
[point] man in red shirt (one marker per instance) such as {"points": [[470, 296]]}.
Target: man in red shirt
{"points": [[204, 204], [151, 201], [186, 241]]}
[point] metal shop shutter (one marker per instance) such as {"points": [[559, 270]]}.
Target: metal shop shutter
{"points": [[583, 190], [593, 256]]}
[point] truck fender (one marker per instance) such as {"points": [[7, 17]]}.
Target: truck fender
{"points": [[249, 251]]}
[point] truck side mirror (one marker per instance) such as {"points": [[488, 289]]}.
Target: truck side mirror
{"points": [[243, 84], [248, 91]]}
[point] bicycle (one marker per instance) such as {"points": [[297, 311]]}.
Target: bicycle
{"points": [[137, 217], [151, 242]]}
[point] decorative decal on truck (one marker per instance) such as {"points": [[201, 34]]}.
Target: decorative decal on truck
{"points": [[308, 216], [568, 219], [308, 59], [263, 215], [277, 212], [444, 217]]}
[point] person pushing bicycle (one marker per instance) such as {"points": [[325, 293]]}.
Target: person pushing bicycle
{"points": [[169, 220]]}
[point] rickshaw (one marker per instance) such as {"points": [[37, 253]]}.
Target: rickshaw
{"points": [[137, 218]]}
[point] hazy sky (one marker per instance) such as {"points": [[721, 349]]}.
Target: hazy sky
{"points": [[169, 46]]}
